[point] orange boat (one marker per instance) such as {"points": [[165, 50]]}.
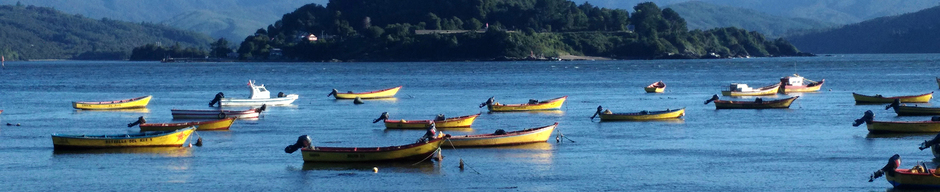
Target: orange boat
{"points": [[657, 87]]}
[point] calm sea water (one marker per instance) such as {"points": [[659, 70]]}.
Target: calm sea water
{"points": [[811, 146]]}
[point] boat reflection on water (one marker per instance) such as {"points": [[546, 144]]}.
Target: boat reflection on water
{"points": [[129, 110], [533, 153], [456, 129], [898, 135], [424, 167], [156, 151], [668, 121], [381, 100], [548, 112]]}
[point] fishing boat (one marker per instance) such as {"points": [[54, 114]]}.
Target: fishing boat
{"points": [[533, 105], [931, 126], [221, 124], [917, 177], [174, 138], [865, 99], [905, 110], [756, 104], [607, 115], [385, 93], [738, 89], [259, 96], [415, 151], [795, 83], [657, 87], [119, 104], [439, 122], [217, 114], [500, 137]]}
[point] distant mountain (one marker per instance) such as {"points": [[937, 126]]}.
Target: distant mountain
{"points": [[701, 15], [832, 11], [30, 32], [909, 33], [232, 19]]}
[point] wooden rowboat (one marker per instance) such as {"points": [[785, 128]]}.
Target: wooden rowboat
{"points": [[918, 177], [453, 122], [742, 90], [642, 115], [533, 135], [795, 84], [174, 138], [119, 104], [929, 126], [756, 104], [865, 99], [904, 110], [533, 105], [221, 124], [415, 151], [366, 95], [216, 114], [657, 87]]}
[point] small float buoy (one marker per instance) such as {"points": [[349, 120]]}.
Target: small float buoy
{"points": [[199, 142], [375, 169], [830, 89], [358, 101], [190, 145], [461, 164], [17, 124]]}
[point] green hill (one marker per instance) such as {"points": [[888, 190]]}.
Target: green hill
{"points": [[701, 15], [31, 32], [909, 33]]}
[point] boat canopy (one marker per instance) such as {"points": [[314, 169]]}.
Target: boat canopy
{"points": [[258, 91]]}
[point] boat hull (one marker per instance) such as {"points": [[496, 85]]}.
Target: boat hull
{"points": [[155, 139], [545, 105], [903, 126], [654, 89], [214, 114], [456, 122], [119, 104], [768, 90], [372, 154], [904, 178], [668, 114], [799, 89], [915, 111], [773, 104], [369, 95], [534, 135], [924, 98], [222, 124], [287, 100]]}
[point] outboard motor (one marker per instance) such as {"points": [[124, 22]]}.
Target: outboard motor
{"points": [[599, 109], [500, 132], [262, 108], [533, 101], [302, 142], [358, 101], [930, 143], [895, 104], [332, 93], [714, 98], [893, 163], [281, 94], [139, 121], [488, 102], [217, 99], [440, 117], [384, 116], [869, 116], [758, 100]]}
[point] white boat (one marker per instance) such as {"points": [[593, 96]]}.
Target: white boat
{"points": [[259, 96], [217, 114]]}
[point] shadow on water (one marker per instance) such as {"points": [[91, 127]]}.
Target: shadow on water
{"points": [[551, 112], [158, 151], [897, 135], [425, 167], [382, 100], [670, 121]]}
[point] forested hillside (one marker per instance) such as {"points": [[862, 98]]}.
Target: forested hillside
{"points": [[909, 33], [30, 32], [386, 30], [702, 15]]}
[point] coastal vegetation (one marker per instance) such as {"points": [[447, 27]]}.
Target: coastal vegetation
{"points": [[421, 30], [30, 32], [907, 33]]}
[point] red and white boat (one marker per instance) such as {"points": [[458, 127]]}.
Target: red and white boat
{"points": [[217, 114]]}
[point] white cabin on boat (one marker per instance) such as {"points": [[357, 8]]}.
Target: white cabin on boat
{"points": [[740, 87], [795, 80], [258, 91]]}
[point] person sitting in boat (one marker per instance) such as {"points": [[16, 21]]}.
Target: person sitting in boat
{"points": [[431, 134], [440, 117]]}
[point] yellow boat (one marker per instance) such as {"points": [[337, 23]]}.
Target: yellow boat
{"points": [[119, 104], [756, 104], [501, 138], [918, 177], [657, 87], [148, 139], [864, 99], [794, 84], [415, 151], [904, 110], [221, 124], [453, 122], [736, 90], [533, 105], [897, 126], [640, 116], [366, 95]]}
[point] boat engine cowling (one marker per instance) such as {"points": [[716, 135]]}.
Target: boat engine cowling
{"points": [[281, 94], [930, 143], [893, 163], [384, 116], [262, 108], [895, 104], [302, 142], [869, 116], [332, 93], [139, 121], [217, 99], [488, 102], [714, 98]]}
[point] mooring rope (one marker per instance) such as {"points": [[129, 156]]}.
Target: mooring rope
{"points": [[461, 158]]}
